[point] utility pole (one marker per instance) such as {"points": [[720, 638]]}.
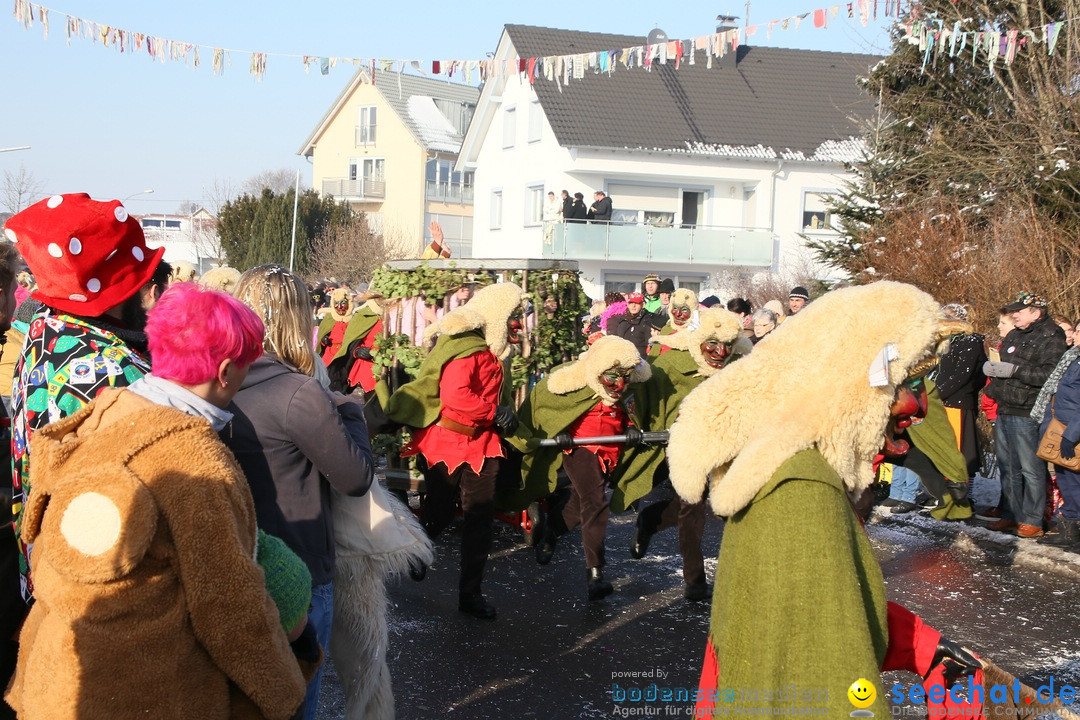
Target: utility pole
{"points": [[746, 21]]}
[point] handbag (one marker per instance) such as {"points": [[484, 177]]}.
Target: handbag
{"points": [[1050, 444]]}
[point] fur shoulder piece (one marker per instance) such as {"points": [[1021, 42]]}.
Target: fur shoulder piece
{"points": [[808, 387], [606, 353], [488, 309]]}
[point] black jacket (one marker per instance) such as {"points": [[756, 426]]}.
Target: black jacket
{"points": [[637, 329], [601, 209], [288, 435], [1035, 351], [568, 208], [578, 211], [960, 378]]}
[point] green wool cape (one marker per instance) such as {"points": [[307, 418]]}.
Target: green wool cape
{"points": [[654, 349], [326, 325], [935, 436], [544, 415], [360, 325], [799, 608], [417, 403]]}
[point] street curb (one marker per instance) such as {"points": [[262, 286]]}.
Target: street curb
{"points": [[976, 537]]}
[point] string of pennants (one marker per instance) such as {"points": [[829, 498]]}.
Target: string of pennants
{"points": [[932, 36]]}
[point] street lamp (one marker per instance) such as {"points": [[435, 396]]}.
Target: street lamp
{"points": [[148, 191]]}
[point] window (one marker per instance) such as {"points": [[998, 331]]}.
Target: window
{"points": [[509, 127], [446, 185], [817, 217], [536, 121], [367, 178], [161, 223], [365, 128], [534, 205], [496, 209]]}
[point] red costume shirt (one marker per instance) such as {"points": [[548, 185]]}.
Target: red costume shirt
{"points": [[361, 373], [599, 421], [469, 389], [336, 335]]}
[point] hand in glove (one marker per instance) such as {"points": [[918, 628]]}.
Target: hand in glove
{"points": [[958, 661], [998, 369], [505, 420], [563, 441], [1067, 449], [633, 436], [361, 352], [324, 341]]}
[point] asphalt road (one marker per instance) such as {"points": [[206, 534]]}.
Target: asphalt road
{"points": [[552, 654]]}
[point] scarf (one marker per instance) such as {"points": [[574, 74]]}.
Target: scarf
{"points": [[1051, 385], [169, 394]]}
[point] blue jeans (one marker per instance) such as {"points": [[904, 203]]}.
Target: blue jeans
{"points": [[322, 618], [1023, 474], [905, 484]]}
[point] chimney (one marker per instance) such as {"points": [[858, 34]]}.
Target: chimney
{"points": [[725, 23]]}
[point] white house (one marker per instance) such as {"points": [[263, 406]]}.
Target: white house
{"points": [[708, 168], [190, 238]]}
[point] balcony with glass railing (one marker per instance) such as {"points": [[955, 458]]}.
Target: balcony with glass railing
{"points": [[699, 244], [447, 192], [362, 189]]}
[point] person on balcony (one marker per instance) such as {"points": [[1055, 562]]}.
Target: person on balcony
{"points": [[578, 211], [600, 210], [553, 213]]}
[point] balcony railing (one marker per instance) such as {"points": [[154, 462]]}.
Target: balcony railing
{"points": [[354, 189], [702, 244], [365, 135], [445, 192]]}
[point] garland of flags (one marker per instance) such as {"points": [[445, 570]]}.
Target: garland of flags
{"points": [[931, 35]]}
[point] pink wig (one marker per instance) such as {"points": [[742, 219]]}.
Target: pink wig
{"points": [[191, 330], [616, 308]]}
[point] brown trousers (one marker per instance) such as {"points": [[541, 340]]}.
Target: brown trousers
{"points": [[588, 504], [690, 519]]}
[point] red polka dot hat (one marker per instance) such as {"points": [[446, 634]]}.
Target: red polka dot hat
{"points": [[86, 256]]}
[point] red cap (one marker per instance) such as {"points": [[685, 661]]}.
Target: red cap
{"points": [[86, 256], [635, 297]]}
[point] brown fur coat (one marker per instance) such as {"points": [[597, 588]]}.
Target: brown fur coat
{"points": [[149, 600]]}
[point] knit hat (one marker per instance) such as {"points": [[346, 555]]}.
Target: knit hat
{"points": [[288, 580], [799, 292], [710, 301], [87, 256], [651, 276], [1023, 300]]}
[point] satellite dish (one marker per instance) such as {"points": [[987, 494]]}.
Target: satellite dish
{"points": [[657, 36]]}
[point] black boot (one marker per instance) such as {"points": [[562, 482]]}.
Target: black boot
{"points": [[640, 544], [598, 587], [1063, 535], [477, 606], [697, 591], [545, 547]]}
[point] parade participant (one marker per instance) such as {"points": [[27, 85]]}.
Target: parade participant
{"points": [[586, 398], [351, 366], [333, 325], [694, 355], [150, 602], [96, 280], [784, 447], [682, 314], [458, 405]]}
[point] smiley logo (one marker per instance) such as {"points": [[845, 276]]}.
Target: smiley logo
{"points": [[862, 693]]}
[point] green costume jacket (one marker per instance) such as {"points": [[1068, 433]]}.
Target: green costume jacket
{"points": [[544, 415], [799, 597], [654, 348], [360, 325]]}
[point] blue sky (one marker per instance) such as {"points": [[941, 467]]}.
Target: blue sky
{"points": [[114, 124]]}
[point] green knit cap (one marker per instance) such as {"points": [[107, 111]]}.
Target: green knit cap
{"points": [[287, 579]]}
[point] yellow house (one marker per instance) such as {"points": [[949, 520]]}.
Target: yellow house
{"points": [[389, 147]]}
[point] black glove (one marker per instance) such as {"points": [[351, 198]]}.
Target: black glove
{"points": [[306, 647], [361, 352], [958, 661], [563, 441], [505, 420], [1067, 448], [324, 341], [633, 436], [959, 491]]}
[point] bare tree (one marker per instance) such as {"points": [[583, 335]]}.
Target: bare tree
{"points": [[205, 238], [352, 252], [187, 208], [220, 192], [279, 181], [20, 189]]}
